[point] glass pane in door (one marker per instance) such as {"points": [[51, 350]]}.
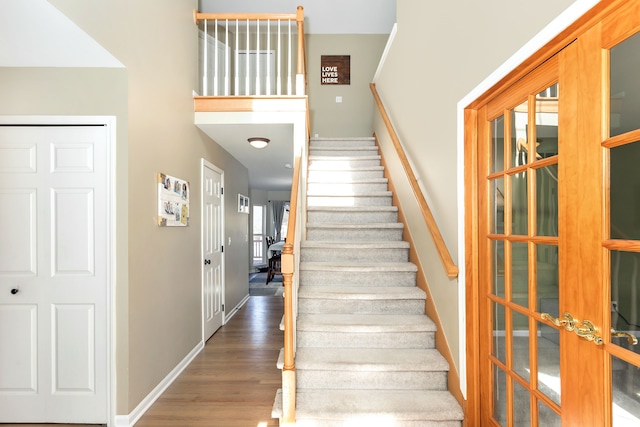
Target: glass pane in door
{"points": [[625, 191], [623, 92], [625, 299], [626, 393]]}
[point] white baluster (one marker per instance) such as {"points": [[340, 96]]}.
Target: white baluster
{"points": [[215, 59], [289, 81], [258, 55], [205, 65], [226, 57], [279, 60], [268, 82], [246, 72], [236, 81]]}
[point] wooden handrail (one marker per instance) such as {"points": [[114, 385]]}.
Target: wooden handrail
{"points": [[200, 16], [445, 257]]}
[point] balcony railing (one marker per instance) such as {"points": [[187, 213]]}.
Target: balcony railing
{"points": [[251, 54]]}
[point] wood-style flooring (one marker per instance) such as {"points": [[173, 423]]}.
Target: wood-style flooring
{"points": [[232, 382]]}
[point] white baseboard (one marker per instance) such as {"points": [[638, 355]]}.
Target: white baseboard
{"points": [[134, 416], [235, 309]]}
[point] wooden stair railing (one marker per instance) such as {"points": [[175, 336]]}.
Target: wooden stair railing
{"points": [[290, 294], [242, 30], [445, 257]]}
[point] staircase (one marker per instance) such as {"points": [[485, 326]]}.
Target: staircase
{"points": [[365, 349]]}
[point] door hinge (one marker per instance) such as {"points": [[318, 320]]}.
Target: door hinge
{"points": [[222, 248], [221, 190], [222, 307]]}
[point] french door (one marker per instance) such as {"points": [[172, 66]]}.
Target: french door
{"points": [[558, 244]]}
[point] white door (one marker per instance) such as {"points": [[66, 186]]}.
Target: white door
{"points": [[212, 249], [53, 278]]}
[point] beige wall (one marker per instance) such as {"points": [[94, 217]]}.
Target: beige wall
{"points": [[158, 269], [443, 50], [354, 116]]}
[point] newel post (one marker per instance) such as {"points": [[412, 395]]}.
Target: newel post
{"points": [[289, 369]]}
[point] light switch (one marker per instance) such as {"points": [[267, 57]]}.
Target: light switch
{"points": [[338, 99]]}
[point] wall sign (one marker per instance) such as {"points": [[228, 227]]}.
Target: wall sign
{"points": [[335, 69], [173, 201]]}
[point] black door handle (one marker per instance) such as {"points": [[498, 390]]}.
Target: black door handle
{"points": [[207, 261], [14, 291]]}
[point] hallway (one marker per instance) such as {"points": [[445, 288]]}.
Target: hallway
{"points": [[233, 381]]}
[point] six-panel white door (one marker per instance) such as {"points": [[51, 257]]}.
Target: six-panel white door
{"points": [[53, 278], [212, 250]]}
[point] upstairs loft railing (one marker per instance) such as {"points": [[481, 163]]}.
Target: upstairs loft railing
{"points": [[251, 54]]}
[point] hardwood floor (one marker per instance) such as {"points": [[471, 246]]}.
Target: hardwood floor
{"points": [[232, 382]]}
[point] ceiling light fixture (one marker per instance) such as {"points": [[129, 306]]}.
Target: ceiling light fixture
{"points": [[258, 142]]}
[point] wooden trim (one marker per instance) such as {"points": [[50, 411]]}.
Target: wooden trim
{"points": [[453, 381], [472, 297], [216, 104], [553, 46], [287, 268], [199, 16], [445, 257]]}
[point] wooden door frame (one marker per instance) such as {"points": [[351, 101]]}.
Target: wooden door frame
{"points": [[577, 23]]}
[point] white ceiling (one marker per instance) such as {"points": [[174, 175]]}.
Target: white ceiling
{"points": [[321, 17], [267, 170]]}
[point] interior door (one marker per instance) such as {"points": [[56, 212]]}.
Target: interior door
{"points": [[559, 238], [212, 249], [53, 278]]}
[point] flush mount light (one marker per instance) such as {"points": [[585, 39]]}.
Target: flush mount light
{"points": [[258, 142]]}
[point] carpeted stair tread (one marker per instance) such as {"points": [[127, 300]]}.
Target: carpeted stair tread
{"points": [[367, 323], [380, 225], [393, 404], [353, 209], [324, 244], [361, 293], [358, 267], [370, 359], [320, 193]]}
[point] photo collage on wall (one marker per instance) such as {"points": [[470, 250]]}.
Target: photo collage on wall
{"points": [[173, 201]]}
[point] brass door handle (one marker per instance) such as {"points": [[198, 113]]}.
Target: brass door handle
{"points": [[584, 329], [630, 338]]}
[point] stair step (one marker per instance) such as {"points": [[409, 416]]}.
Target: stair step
{"points": [[325, 251], [343, 151], [332, 175], [365, 331], [366, 141], [361, 186], [355, 232], [382, 369], [374, 408], [343, 162], [360, 300], [352, 214], [382, 198], [358, 274]]}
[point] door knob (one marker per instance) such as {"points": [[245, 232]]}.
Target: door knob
{"points": [[14, 291], [584, 329], [630, 338]]}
